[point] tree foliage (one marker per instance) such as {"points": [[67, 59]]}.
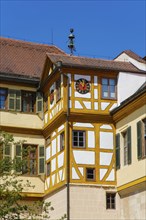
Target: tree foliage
{"points": [[13, 202]]}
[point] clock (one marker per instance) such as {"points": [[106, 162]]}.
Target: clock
{"points": [[82, 86]]}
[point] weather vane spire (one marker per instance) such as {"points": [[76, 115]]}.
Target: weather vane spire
{"points": [[71, 45]]}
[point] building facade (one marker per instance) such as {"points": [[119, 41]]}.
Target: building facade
{"points": [[69, 110]]}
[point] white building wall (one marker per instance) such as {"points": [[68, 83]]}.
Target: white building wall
{"points": [[128, 83], [89, 203]]}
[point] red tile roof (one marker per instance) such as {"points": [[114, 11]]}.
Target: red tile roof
{"points": [[92, 63], [133, 55], [24, 58]]}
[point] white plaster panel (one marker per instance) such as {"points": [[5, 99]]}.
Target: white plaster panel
{"points": [[46, 117], [106, 140], [60, 160], [111, 176], [53, 179], [84, 157], [87, 104], [74, 174], [54, 147], [76, 77], [95, 94], [81, 169], [70, 104], [53, 165], [48, 153], [58, 143], [113, 106], [105, 158], [70, 91], [50, 116], [91, 139], [78, 105], [95, 105], [60, 128], [102, 173], [105, 126], [61, 174], [69, 76], [79, 95], [86, 125], [104, 105], [46, 187], [95, 80], [48, 181]]}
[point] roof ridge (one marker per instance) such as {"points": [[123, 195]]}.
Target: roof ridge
{"points": [[27, 44]]}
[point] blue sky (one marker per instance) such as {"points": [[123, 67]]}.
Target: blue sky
{"points": [[102, 29]]}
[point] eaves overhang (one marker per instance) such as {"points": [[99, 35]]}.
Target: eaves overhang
{"points": [[19, 79]]}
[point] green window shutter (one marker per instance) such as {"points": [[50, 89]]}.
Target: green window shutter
{"points": [[41, 163], [18, 157], [129, 144], [7, 157], [139, 139], [12, 98], [118, 151], [39, 102]]}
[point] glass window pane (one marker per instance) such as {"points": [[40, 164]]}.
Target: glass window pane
{"points": [[111, 82], [104, 81], [41, 165]]}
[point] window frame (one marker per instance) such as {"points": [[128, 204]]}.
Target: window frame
{"points": [[78, 141], [109, 88], [28, 159], [110, 203], [48, 168], [28, 101], [141, 139], [58, 89], [94, 174], [62, 141], [5, 98]]}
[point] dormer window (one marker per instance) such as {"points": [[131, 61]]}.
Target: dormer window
{"points": [[58, 89]]}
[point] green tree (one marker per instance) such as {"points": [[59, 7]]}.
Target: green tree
{"points": [[13, 203]]}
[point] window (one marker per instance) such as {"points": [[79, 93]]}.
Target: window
{"points": [[14, 100], [30, 158], [90, 173], [39, 102], [117, 151], [110, 200], [3, 98], [141, 139], [79, 139], [127, 146], [108, 88], [41, 160], [62, 144], [45, 103], [48, 169], [18, 155], [58, 89], [28, 101], [7, 153]]}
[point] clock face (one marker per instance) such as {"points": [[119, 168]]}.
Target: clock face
{"points": [[82, 86]]}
